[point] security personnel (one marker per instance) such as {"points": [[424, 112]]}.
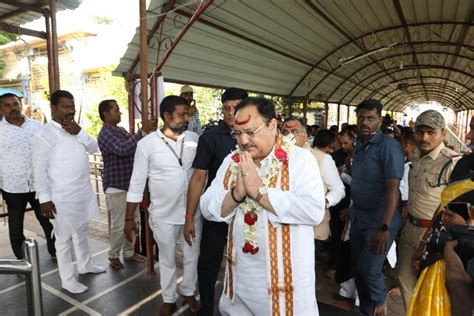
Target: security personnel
{"points": [[375, 217], [431, 168]]}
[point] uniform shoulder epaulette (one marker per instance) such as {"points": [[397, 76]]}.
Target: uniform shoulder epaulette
{"points": [[449, 153]]}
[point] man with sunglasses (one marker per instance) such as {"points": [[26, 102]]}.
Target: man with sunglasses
{"points": [[431, 167], [272, 196]]}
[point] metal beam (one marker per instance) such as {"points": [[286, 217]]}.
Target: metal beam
{"points": [[49, 52], [54, 38], [444, 102], [381, 59], [167, 7], [199, 11], [371, 33], [247, 39], [340, 30], [432, 90], [262, 45], [21, 30], [419, 97], [396, 70], [416, 77], [402, 18], [446, 90], [462, 37]]}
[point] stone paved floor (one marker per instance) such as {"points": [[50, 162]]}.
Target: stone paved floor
{"points": [[326, 287]]}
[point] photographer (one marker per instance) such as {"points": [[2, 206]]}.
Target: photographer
{"points": [[194, 124], [450, 222]]}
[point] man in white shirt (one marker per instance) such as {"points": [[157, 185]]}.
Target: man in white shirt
{"points": [[272, 196], [63, 187], [333, 186], [165, 158], [16, 172]]}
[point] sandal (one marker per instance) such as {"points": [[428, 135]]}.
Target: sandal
{"points": [[116, 264]]}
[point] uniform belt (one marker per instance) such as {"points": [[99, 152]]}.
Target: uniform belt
{"points": [[418, 222]]}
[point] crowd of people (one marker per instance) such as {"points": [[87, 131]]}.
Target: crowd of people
{"points": [[263, 191]]}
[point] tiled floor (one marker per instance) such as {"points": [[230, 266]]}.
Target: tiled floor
{"points": [[130, 291]]}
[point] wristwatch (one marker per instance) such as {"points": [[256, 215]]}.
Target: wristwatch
{"points": [[261, 192], [384, 227]]}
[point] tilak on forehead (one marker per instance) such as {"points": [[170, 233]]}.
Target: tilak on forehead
{"points": [[288, 125], [243, 121]]}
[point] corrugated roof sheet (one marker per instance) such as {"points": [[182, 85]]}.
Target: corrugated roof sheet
{"points": [[338, 51], [16, 15]]}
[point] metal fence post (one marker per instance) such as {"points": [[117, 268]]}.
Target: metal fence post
{"points": [[33, 279]]}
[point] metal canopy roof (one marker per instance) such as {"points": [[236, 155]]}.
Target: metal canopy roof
{"points": [[17, 12], [337, 51]]}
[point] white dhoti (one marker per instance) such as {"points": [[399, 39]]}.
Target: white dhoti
{"points": [[165, 236]]}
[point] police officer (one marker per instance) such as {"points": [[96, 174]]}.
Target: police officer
{"points": [[431, 168]]}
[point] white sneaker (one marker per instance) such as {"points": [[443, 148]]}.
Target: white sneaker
{"points": [[74, 287], [93, 269]]}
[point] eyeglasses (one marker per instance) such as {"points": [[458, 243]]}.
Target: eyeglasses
{"points": [[249, 134], [293, 131]]}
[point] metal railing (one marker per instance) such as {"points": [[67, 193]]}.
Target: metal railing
{"points": [[30, 268], [96, 166], [458, 145]]}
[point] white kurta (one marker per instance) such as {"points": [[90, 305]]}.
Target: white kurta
{"points": [[302, 207], [167, 180], [61, 172]]}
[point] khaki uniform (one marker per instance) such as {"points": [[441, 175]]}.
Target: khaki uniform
{"points": [[428, 177]]}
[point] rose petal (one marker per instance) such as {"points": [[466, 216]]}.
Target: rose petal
{"points": [[236, 157]]}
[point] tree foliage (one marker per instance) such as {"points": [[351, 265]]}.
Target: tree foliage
{"points": [[6, 37], [107, 86]]}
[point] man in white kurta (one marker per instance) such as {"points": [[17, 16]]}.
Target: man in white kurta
{"points": [[63, 187], [275, 275], [165, 158]]}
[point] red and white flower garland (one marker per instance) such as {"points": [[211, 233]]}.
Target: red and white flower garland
{"points": [[250, 208]]}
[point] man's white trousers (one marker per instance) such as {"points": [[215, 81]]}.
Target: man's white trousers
{"points": [[78, 241], [166, 236]]}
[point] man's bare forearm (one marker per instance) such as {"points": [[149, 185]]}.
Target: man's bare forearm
{"points": [[228, 205], [195, 189], [131, 207]]}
